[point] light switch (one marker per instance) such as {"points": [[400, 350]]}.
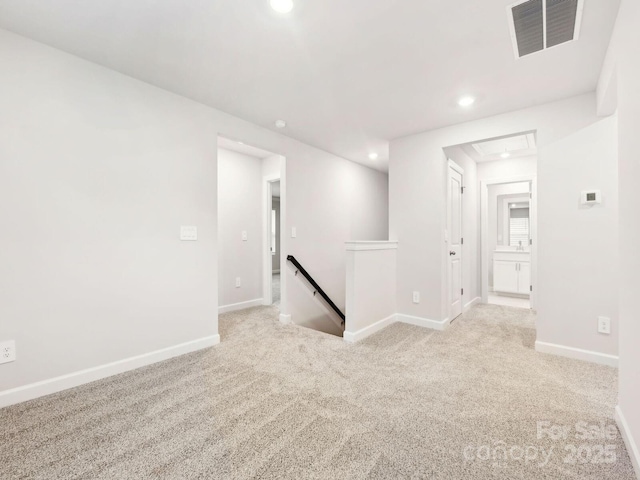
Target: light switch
{"points": [[244, 236], [293, 232], [189, 233]]}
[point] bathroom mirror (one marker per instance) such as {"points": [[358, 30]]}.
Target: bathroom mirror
{"points": [[519, 225], [513, 224]]}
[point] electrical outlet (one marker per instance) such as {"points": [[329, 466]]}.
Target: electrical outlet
{"points": [[294, 232], [244, 236], [7, 351], [238, 282], [188, 233], [604, 325], [416, 297]]}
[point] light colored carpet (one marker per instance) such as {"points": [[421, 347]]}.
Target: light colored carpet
{"points": [[276, 401], [275, 289], [506, 301]]}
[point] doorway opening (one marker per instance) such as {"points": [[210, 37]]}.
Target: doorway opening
{"points": [[491, 223], [508, 216], [508, 213], [275, 248], [251, 206]]}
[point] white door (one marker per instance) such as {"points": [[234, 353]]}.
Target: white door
{"points": [[524, 278], [454, 246]]}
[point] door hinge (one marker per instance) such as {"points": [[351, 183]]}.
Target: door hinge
{"points": [[462, 291], [531, 288], [462, 190], [531, 241], [462, 241]]}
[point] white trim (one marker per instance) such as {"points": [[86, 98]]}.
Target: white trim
{"points": [[579, 15], [424, 322], [472, 303], [286, 319], [577, 353], [240, 306], [372, 245], [512, 30], [352, 337], [632, 447], [456, 168], [64, 382]]}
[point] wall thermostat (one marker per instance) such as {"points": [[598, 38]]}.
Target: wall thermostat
{"points": [[591, 197]]}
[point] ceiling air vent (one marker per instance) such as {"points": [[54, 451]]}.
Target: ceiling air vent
{"points": [[537, 25]]}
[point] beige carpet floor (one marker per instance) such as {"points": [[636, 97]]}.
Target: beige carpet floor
{"points": [[276, 401]]}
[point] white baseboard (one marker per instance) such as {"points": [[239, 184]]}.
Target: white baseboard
{"points": [[64, 382], [577, 353], [632, 447], [473, 302], [286, 319], [352, 337], [424, 322], [240, 306]]}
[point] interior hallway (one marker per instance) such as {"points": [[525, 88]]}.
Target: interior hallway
{"points": [[282, 401]]}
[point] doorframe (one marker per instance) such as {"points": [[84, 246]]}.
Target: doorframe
{"points": [[453, 165], [484, 232], [267, 184]]}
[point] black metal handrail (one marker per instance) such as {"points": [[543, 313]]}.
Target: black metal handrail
{"points": [[319, 290]]}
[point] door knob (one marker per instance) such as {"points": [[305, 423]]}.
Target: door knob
{"points": [[452, 252]]}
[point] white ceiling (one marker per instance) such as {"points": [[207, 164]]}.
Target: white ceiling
{"points": [[347, 76]]}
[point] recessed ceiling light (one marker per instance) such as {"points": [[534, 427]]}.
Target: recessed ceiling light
{"points": [[505, 154], [281, 123], [373, 156], [466, 101], [282, 6]]}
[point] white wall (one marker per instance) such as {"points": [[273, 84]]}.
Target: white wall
{"points": [[624, 73], [508, 168], [371, 282], [97, 173], [576, 151], [577, 245], [239, 209]]}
